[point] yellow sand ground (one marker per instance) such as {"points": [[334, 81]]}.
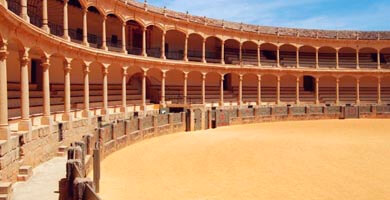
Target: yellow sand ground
{"points": [[308, 160]]}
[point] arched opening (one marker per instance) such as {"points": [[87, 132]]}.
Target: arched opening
{"points": [[96, 85], [114, 78], [194, 88], [288, 89], [269, 88], [347, 58], [153, 88], [174, 47], [232, 52], [77, 84], [307, 92], [94, 27], [134, 86], [288, 55], [174, 90], [307, 57], [75, 21], [385, 58], [268, 55], [34, 11], [249, 53], [368, 89], [347, 89], [195, 42], [213, 87], [14, 6], [249, 88], [153, 41], [327, 89], [368, 58], [134, 37], [57, 82], [114, 33], [327, 57], [213, 50]]}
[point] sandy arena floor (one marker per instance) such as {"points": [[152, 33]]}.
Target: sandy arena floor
{"points": [[310, 160]]}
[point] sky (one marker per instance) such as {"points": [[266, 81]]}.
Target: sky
{"points": [[366, 15]]}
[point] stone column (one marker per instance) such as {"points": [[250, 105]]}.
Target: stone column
{"points": [[66, 25], [379, 59], [357, 59], [124, 89], [258, 89], [297, 100], [337, 91], [4, 128], [337, 59], [124, 49], [23, 12], [317, 58], [45, 21], [163, 46], [186, 48], [86, 112], [204, 50], [104, 35], [144, 74], [297, 55], [240, 90], [240, 55], [223, 52], [25, 123], [185, 87], [259, 55], [144, 43], [278, 56], [317, 90], [105, 90], [67, 92], [358, 90], [278, 90], [379, 97], [46, 118], [203, 88], [85, 27], [221, 100], [163, 76]]}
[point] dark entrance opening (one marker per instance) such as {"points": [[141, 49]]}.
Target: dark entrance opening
{"points": [[188, 120], [308, 83], [227, 80], [36, 73]]}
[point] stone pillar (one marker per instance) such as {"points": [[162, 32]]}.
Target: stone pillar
{"points": [[240, 90], [163, 76], [259, 55], [144, 43], [4, 128], [104, 36], [67, 92], [278, 56], [186, 48], [357, 59], [163, 46], [144, 74], [45, 21], [86, 112], [46, 118], [379, 59], [357, 90], [105, 90], [223, 52], [203, 88], [337, 91], [124, 89], [66, 25], [297, 100], [278, 90], [85, 27], [317, 58], [124, 49], [379, 97], [25, 123], [317, 91], [185, 88], [204, 50], [337, 59], [23, 12], [297, 56], [221, 100], [240, 55], [258, 89]]}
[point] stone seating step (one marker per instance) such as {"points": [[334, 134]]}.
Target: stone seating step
{"points": [[62, 151], [6, 190]]}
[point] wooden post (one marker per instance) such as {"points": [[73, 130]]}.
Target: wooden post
{"points": [[96, 167]]}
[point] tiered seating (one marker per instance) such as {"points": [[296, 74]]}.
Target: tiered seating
{"points": [[368, 61], [327, 60], [347, 61]]}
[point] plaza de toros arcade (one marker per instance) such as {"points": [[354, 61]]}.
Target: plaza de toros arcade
{"points": [[62, 61]]}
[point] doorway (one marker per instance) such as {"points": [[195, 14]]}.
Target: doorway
{"points": [[308, 83]]}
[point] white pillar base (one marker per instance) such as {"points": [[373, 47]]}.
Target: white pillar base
{"points": [[4, 133], [25, 125], [67, 117], [66, 37], [105, 48], [47, 120], [46, 28]]}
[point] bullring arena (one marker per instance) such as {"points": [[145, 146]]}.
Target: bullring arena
{"points": [[87, 86]]}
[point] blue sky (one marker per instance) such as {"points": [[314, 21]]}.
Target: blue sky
{"points": [[318, 14]]}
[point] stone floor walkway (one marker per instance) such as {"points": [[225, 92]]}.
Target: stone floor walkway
{"points": [[43, 185]]}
